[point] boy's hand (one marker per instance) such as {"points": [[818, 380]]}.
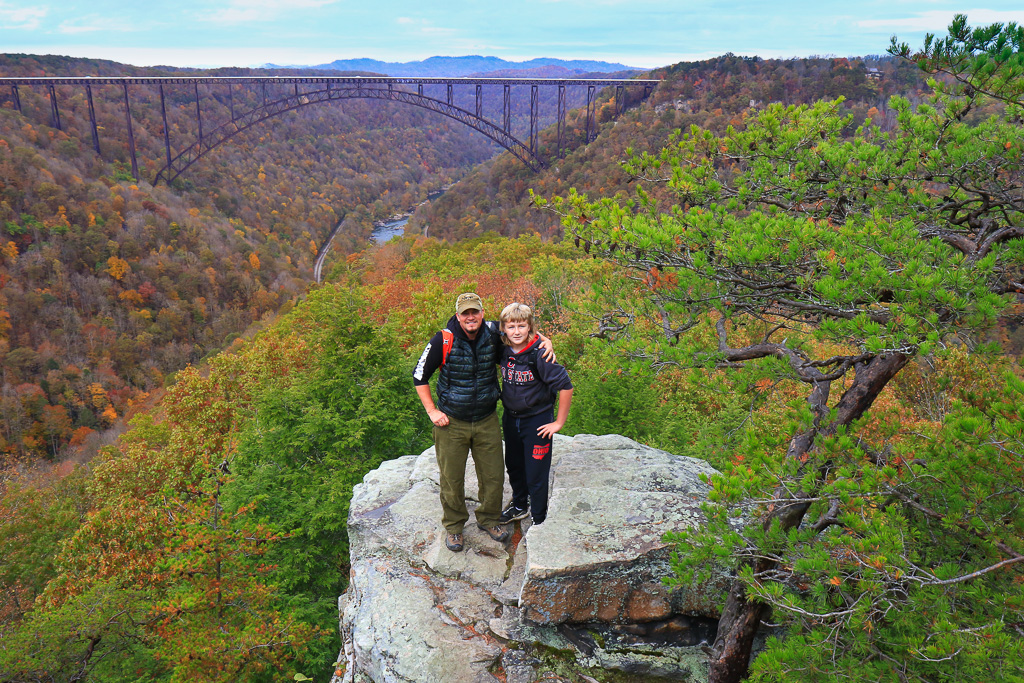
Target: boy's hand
{"points": [[547, 431]]}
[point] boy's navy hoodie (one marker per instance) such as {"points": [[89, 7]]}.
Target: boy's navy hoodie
{"points": [[524, 394]]}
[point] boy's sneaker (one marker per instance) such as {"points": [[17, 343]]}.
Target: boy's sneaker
{"points": [[512, 513], [496, 532]]}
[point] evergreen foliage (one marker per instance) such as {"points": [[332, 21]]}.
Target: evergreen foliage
{"points": [[310, 438]]}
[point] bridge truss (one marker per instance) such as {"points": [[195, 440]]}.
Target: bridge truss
{"points": [[301, 91]]}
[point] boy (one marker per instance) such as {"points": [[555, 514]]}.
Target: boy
{"points": [[529, 387]]}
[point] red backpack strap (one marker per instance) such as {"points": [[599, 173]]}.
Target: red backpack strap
{"points": [[447, 339]]}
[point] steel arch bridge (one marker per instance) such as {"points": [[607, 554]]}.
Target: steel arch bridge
{"points": [[309, 90]]}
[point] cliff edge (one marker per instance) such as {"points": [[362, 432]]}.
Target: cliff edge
{"points": [[577, 598]]}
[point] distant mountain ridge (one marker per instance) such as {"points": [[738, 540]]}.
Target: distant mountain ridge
{"points": [[466, 66]]}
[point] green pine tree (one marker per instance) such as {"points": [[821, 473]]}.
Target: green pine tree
{"points": [[830, 258]]}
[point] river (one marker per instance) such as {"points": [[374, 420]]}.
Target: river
{"points": [[389, 230], [382, 233]]}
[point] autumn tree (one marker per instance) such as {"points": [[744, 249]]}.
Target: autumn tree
{"points": [[817, 254]]}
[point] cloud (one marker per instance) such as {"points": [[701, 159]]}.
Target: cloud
{"points": [[206, 57], [242, 11], [938, 20], [94, 23], [424, 27], [591, 3], [21, 18]]}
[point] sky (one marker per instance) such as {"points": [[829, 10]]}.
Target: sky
{"points": [[640, 33]]}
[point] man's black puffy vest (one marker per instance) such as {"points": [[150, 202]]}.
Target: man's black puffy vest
{"points": [[468, 386]]}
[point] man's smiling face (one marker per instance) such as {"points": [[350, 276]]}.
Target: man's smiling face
{"points": [[470, 320]]}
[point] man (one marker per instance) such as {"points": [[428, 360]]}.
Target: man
{"points": [[464, 417]]}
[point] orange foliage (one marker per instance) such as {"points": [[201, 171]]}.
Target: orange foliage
{"points": [[79, 436]]}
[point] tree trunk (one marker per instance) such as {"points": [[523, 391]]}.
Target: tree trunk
{"points": [[736, 630], [741, 617]]}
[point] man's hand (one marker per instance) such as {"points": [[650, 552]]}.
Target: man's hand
{"points": [[548, 348], [435, 415]]}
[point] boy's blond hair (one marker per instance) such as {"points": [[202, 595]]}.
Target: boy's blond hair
{"points": [[516, 312]]}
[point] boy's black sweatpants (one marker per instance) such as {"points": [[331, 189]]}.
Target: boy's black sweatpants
{"points": [[528, 461]]}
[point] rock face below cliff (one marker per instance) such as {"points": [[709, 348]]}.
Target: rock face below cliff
{"points": [[577, 597]]}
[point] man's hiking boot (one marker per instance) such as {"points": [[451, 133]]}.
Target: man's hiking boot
{"points": [[454, 542], [496, 532], [512, 513]]}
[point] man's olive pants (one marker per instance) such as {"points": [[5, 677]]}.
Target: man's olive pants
{"points": [[453, 444]]}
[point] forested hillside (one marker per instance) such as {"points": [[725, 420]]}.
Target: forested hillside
{"points": [[107, 287], [715, 94]]}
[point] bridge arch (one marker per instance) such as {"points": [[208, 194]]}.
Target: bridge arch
{"points": [[218, 136]]}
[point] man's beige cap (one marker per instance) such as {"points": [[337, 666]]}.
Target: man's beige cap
{"points": [[467, 301]]}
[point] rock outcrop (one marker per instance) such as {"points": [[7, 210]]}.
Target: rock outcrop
{"points": [[575, 597]]}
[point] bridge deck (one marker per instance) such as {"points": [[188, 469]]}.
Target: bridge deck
{"points": [[352, 80]]}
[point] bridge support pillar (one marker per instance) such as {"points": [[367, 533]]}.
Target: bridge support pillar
{"points": [[561, 119], [506, 109], [54, 112], [533, 119], [591, 105], [199, 119], [167, 133], [92, 119], [131, 135]]}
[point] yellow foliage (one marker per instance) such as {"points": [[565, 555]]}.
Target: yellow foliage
{"points": [[131, 296], [254, 261], [117, 267], [99, 395], [109, 414], [9, 250]]}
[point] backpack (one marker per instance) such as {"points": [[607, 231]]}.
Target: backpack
{"points": [[447, 339]]}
